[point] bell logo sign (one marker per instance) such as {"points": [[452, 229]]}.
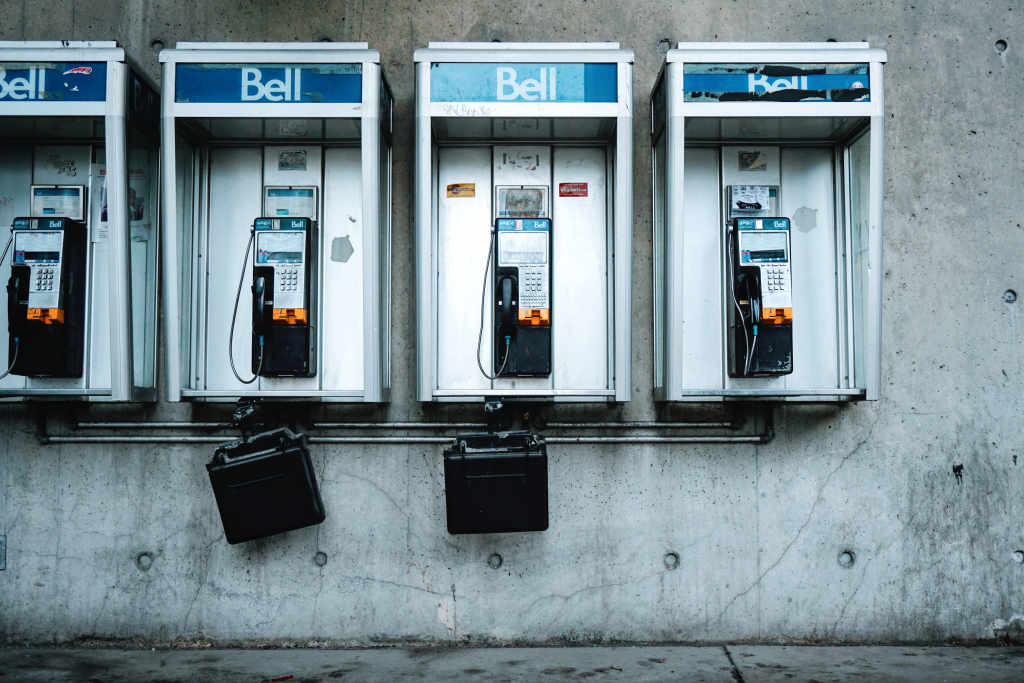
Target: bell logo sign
{"points": [[22, 88], [531, 89], [761, 81], [274, 90]]}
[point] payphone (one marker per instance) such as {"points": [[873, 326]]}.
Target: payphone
{"points": [[46, 297], [283, 330], [521, 251], [762, 296]]}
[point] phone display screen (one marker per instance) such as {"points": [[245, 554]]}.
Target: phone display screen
{"points": [[37, 247], [280, 247], [522, 248], [760, 247]]}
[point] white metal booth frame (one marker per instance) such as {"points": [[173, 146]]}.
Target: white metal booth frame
{"points": [[694, 130], [83, 113], [333, 102], [474, 123]]}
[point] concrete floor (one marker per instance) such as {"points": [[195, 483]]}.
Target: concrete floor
{"points": [[753, 664]]}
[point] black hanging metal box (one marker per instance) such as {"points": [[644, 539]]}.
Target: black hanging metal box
{"points": [[265, 485], [496, 483]]}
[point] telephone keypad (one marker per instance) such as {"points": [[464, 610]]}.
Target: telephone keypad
{"points": [[533, 289], [44, 279], [777, 278], [288, 279]]}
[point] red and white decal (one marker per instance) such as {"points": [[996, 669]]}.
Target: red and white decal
{"points": [[79, 70], [572, 189]]}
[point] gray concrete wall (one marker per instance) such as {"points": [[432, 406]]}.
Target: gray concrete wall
{"points": [[758, 528]]}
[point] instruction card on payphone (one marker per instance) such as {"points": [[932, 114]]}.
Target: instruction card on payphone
{"points": [[290, 201], [58, 200]]}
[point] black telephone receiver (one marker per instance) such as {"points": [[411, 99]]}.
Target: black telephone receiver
{"points": [[753, 280], [507, 318], [259, 292]]}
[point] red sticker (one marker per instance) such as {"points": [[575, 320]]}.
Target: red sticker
{"points": [[572, 189]]}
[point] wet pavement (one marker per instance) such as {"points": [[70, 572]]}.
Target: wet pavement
{"points": [[747, 664]]}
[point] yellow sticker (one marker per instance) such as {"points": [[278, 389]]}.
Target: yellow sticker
{"points": [[462, 190]]}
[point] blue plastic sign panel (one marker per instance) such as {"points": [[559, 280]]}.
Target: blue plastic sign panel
{"points": [[776, 83], [524, 224], [269, 83], [521, 82], [60, 82]]}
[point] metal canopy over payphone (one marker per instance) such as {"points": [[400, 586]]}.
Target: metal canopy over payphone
{"points": [[523, 214], [767, 161], [79, 145], [277, 253]]}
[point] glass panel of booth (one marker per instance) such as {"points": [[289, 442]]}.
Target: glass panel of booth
{"points": [[857, 159]]}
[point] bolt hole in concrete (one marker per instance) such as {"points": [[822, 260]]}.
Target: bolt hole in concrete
{"points": [[320, 559], [671, 560], [846, 558], [156, 46], [664, 45], [1001, 46], [144, 561], [495, 561], [1009, 296], [1018, 556]]}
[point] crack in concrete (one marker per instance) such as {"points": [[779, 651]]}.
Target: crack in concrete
{"points": [[807, 521], [567, 598], [202, 583], [852, 595]]}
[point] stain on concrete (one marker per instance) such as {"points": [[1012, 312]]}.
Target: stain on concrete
{"points": [[958, 472]]}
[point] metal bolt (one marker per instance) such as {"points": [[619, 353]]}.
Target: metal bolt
{"points": [[672, 561], [1001, 47], [1009, 296], [847, 558], [320, 559], [495, 561], [1018, 556]]}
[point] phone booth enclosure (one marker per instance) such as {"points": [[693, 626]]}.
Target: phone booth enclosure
{"points": [[80, 135], [275, 131], [552, 120], [801, 125]]}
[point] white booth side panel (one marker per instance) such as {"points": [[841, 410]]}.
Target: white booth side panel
{"points": [[15, 180], [235, 200], [808, 201], [281, 166], [703, 277], [580, 298], [463, 236], [528, 165], [341, 324]]}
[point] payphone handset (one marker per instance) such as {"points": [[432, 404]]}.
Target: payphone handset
{"points": [[521, 249], [46, 297], [283, 330], [762, 294]]}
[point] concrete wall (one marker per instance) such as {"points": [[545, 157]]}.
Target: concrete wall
{"points": [[758, 528]]}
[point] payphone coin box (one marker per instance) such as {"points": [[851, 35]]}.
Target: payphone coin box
{"points": [[46, 297], [523, 297], [265, 485], [496, 483], [284, 332]]}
